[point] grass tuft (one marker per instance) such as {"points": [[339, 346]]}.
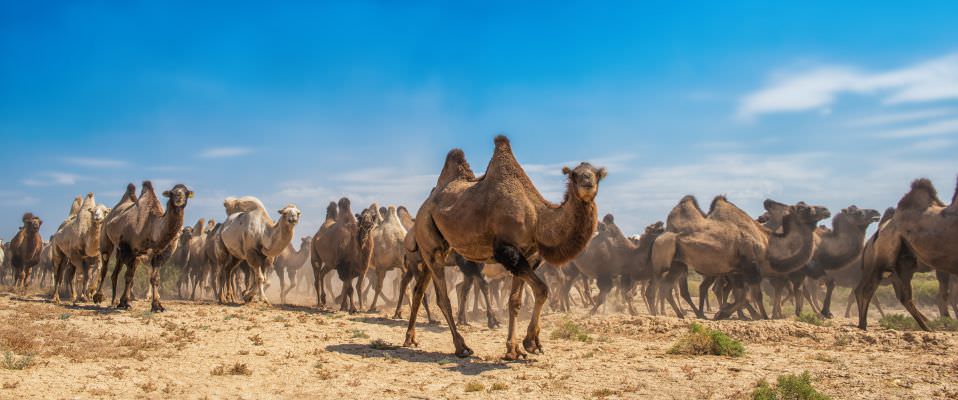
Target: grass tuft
{"points": [[704, 341], [11, 361], [499, 386], [567, 329], [380, 344], [474, 386], [791, 387], [902, 322], [358, 334], [810, 318], [603, 393], [235, 369]]}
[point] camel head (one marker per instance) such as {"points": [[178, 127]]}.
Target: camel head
{"points": [[98, 213], [178, 195], [290, 214], [210, 225], [306, 241], [860, 217], [585, 179], [187, 233], [31, 223], [808, 215], [774, 213], [655, 229]]}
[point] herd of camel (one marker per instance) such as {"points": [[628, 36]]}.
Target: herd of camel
{"points": [[494, 227]]}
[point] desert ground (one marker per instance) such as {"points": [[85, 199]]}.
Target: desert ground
{"points": [[205, 350]]}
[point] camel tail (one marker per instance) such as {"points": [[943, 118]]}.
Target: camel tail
{"points": [[456, 167]]}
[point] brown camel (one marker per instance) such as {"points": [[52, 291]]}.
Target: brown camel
{"points": [[76, 246], [182, 252], [289, 262], [727, 242], [837, 249], [501, 218], [922, 232], [612, 257], [345, 244], [138, 227], [412, 267], [25, 250], [252, 237]]}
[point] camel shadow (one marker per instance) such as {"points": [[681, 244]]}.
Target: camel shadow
{"points": [[399, 323], [304, 309], [465, 366], [67, 305]]}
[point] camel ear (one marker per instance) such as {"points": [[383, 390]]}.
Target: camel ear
{"points": [[566, 171], [190, 194], [602, 173], [166, 193]]}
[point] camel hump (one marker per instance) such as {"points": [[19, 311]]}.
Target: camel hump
{"points": [[74, 207], [247, 204], [913, 198], [502, 143], [608, 219], [455, 167]]}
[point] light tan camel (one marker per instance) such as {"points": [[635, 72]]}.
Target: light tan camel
{"points": [[251, 237], [138, 227], [922, 232], [388, 251], [76, 246], [501, 217], [288, 264]]}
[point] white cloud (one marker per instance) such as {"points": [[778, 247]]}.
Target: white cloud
{"points": [[53, 178], [894, 118], [223, 152], [929, 129], [818, 87], [95, 162]]}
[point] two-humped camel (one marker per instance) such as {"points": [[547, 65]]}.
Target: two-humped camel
{"points": [[249, 235], [288, 264], [501, 218], [922, 231], [345, 244], [388, 251], [25, 250], [76, 246], [139, 227]]}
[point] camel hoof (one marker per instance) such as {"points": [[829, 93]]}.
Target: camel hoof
{"points": [[464, 352], [373, 310], [410, 342], [515, 356], [157, 307], [397, 316], [123, 306], [493, 323], [532, 345]]}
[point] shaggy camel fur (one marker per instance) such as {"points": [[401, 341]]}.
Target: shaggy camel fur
{"points": [[25, 250], [251, 237], [138, 227], [182, 253], [76, 246], [501, 217], [345, 244], [289, 262], [922, 232]]}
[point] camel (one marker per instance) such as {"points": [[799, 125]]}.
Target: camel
{"points": [[139, 227], [921, 233], [77, 243], [501, 218], [289, 263], [182, 252], [25, 250], [838, 248], [610, 256], [388, 251], [251, 236], [727, 242], [343, 243]]}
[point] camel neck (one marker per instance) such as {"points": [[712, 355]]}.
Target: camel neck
{"points": [[278, 237], [564, 231], [792, 230], [171, 223]]}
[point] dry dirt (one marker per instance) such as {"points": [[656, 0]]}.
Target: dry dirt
{"points": [[203, 350]]}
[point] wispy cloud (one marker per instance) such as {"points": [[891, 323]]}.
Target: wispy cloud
{"points": [[818, 88], [929, 129], [95, 162], [895, 118], [223, 152], [53, 178]]}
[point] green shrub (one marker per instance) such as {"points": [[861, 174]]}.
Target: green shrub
{"points": [[569, 330], [810, 318], [11, 361], [704, 341], [788, 387]]}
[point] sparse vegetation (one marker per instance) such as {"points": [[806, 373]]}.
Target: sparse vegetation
{"points": [[902, 322], [474, 386], [380, 344], [567, 329], [788, 387], [358, 334], [236, 369], [810, 318], [603, 393], [256, 340], [11, 361], [704, 341], [498, 386]]}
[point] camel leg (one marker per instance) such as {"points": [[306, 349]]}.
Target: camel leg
{"points": [[881, 312], [651, 290], [403, 284], [704, 294], [318, 282], [797, 289], [683, 284], [57, 278], [419, 291], [605, 285], [848, 304], [777, 286], [292, 274], [442, 298], [826, 310], [462, 293], [130, 262], [359, 285], [71, 276], [943, 286], [905, 297], [155, 305], [104, 266], [281, 273], [377, 287], [513, 352], [864, 292], [739, 302]]}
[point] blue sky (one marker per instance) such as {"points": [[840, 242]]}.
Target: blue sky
{"points": [[831, 104]]}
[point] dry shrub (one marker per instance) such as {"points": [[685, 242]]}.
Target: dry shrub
{"points": [[236, 369]]}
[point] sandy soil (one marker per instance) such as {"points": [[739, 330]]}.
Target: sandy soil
{"points": [[202, 350]]}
